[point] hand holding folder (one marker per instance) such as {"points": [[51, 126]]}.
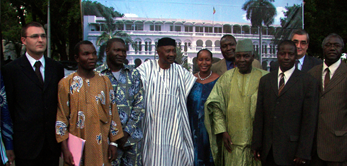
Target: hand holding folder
{"points": [[76, 146]]}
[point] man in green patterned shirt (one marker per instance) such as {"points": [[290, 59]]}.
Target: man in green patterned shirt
{"points": [[126, 82]]}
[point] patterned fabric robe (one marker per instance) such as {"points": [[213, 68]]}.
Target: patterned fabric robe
{"points": [[230, 108], [167, 134], [87, 109]]}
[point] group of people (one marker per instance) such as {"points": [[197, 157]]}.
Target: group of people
{"points": [[229, 113]]}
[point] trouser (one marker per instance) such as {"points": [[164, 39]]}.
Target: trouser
{"points": [[132, 157], [45, 158], [316, 161]]}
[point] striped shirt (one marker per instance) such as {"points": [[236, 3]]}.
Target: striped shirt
{"points": [[167, 134]]}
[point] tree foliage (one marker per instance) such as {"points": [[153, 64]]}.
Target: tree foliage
{"points": [[181, 59], [66, 28], [260, 12], [291, 21], [322, 18], [107, 35], [109, 28]]}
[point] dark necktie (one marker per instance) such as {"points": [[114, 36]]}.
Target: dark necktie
{"points": [[281, 84], [296, 64], [38, 72], [327, 78]]}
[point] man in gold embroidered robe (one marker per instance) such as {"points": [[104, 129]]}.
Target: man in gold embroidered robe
{"points": [[230, 109]]}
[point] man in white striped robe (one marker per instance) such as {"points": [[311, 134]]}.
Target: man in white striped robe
{"points": [[167, 134]]}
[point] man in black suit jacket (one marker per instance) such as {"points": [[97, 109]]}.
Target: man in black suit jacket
{"points": [[304, 62], [286, 115], [31, 85]]}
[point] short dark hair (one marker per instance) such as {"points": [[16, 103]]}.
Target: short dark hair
{"points": [[225, 36], [332, 35], [299, 32], [31, 24], [286, 42], [197, 55], [77, 46], [113, 40]]}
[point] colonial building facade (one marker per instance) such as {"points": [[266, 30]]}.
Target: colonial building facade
{"points": [[190, 35]]}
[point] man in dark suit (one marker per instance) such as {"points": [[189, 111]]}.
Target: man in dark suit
{"points": [[303, 62], [31, 86], [227, 47], [332, 121], [286, 114]]}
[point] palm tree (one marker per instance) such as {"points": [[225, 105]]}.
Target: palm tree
{"points": [[260, 12], [109, 28], [181, 59], [292, 21]]}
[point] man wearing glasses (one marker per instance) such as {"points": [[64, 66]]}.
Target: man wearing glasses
{"points": [[31, 83], [332, 123], [303, 62]]}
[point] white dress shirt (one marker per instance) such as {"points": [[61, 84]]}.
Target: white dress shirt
{"points": [[287, 75], [301, 62], [33, 61], [332, 69]]}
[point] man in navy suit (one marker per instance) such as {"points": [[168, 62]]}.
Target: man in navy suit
{"points": [[31, 83], [286, 114], [303, 62]]}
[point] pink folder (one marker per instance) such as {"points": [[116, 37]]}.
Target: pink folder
{"points": [[76, 146]]}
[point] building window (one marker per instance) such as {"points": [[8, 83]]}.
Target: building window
{"points": [[177, 28], [271, 49], [264, 49], [139, 27], [226, 28], [127, 46], [217, 29], [148, 46], [199, 29], [120, 27], [255, 48], [140, 46], [208, 29], [188, 29], [129, 27], [155, 27]]}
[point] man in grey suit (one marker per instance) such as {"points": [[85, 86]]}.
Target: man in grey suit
{"points": [[332, 118], [227, 47], [286, 114], [303, 62]]}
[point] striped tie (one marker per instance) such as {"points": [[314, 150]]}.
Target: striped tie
{"points": [[281, 84]]}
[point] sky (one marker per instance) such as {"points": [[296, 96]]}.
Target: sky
{"points": [[226, 10]]}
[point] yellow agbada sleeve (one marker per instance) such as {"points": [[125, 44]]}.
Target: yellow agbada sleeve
{"points": [[215, 115]]}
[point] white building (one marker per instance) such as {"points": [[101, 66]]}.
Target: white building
{"points": [[190, 35]]}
